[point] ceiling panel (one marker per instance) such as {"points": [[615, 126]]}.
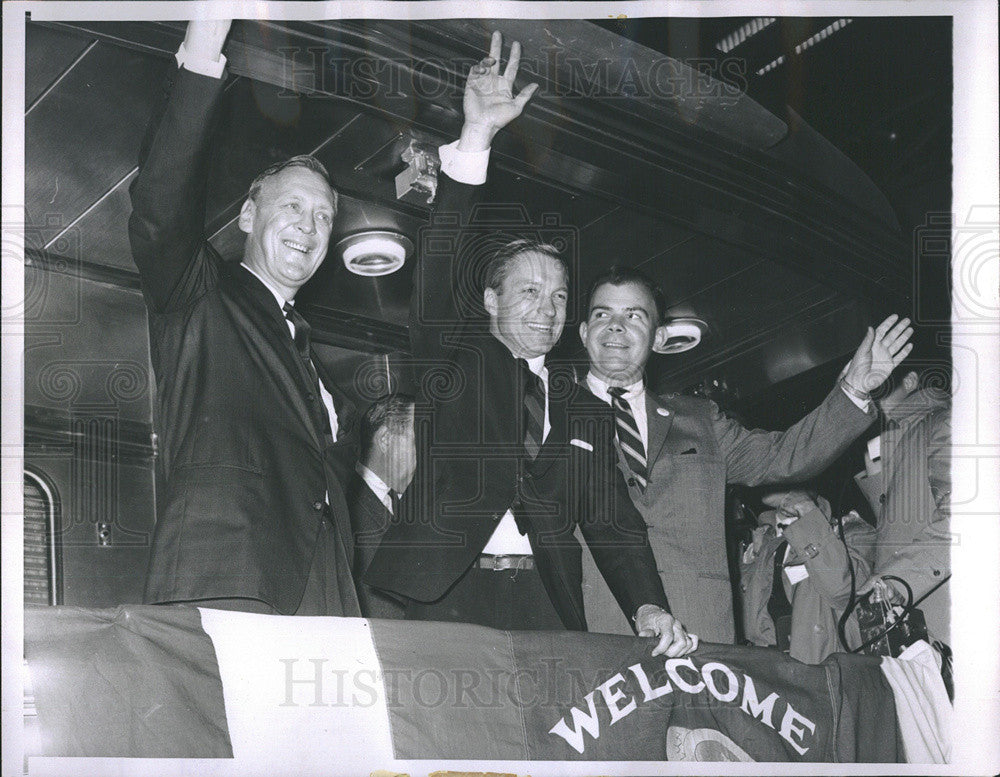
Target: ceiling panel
{"points": [[83, 137], [48, 53]]}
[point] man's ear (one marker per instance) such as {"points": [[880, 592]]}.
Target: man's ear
{"points": [[911, 382], [382, 439], [583, 332], [247, 213], [490, 301]]}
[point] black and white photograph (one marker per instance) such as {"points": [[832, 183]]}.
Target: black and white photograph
{"points": [[517, 388]]}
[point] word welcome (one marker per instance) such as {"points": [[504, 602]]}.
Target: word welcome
{"points": [[739, 689]]}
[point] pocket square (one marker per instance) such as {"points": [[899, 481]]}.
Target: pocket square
{"points": [[582, 444], [688, 451]]}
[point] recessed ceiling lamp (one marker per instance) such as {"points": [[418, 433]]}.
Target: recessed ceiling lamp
{"points": [[683, 334], [745, 32], [376, 252]]}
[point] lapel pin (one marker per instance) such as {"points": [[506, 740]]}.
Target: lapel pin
{"points": [[662, 411]]}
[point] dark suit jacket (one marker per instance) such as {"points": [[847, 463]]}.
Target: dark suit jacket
{"points": [[369, 520], [245, 465], [694, 451], [472, 467]]}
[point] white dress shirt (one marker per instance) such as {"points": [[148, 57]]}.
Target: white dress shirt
{"points": [[376, 484]]}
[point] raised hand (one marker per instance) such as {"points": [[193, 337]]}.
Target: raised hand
{"points": [[205, 37], [489, 102], [881, 350]]}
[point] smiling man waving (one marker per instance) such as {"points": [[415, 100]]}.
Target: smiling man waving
{"points": [[252, 440], [518, 455]]}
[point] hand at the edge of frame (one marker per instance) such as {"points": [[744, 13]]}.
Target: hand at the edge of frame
{"points": [[205, 38], [489, 103], [653, 621]]}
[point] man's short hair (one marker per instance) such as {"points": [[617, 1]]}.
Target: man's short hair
{"points": [[307, 161], [392, 411], [499, 264], [619, 275]]}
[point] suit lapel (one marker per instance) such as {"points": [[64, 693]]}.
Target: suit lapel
{"points": [[657, 426], [273, 326]]}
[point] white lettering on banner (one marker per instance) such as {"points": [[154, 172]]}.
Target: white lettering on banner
{"points": [[752, 706], [793, 729], [672, 666], [648, 692], [734, 684], [581, 722], [612, 699], [788, 729]]}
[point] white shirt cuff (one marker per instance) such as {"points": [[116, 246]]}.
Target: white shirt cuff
{"points": [[201, 65], [464, 166], [861, 404]]}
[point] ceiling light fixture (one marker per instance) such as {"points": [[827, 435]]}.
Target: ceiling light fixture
{"points": [[683, 334], [375, 252], [748, 30]]}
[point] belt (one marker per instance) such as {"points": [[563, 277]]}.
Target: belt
{"points": [[499, 563]]}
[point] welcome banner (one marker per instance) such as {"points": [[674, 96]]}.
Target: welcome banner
{"points": [[183, 690]]}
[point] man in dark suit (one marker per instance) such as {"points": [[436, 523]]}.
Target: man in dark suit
{"points": [[682, 451], [253, 515], [518, 453], [382, 475]]}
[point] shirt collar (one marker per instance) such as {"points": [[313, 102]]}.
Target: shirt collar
{"points": [[278, 296], [537, 365], [599, 388], [375, 483]]}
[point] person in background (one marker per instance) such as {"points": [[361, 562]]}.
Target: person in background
{"points": [[374, 494], [795, 576], [907, 481]]}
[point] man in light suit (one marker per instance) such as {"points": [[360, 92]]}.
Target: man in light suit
{"points": [[253, 515], [907, 481], [517, 453], [680, 452], [374, 494]]}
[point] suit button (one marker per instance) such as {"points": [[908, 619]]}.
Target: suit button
{"points": [[631, 481], [317, 506]]}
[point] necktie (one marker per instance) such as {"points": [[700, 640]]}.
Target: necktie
{"points": [[628, 435], [534, 411], [394, 501], [302, 330], [778, 606]]}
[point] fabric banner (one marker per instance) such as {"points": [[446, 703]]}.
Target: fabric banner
{"points": [[256, 694], [566, 696]]}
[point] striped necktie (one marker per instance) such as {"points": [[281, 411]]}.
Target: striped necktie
{"points": [[628, 435], [534, 410]]}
